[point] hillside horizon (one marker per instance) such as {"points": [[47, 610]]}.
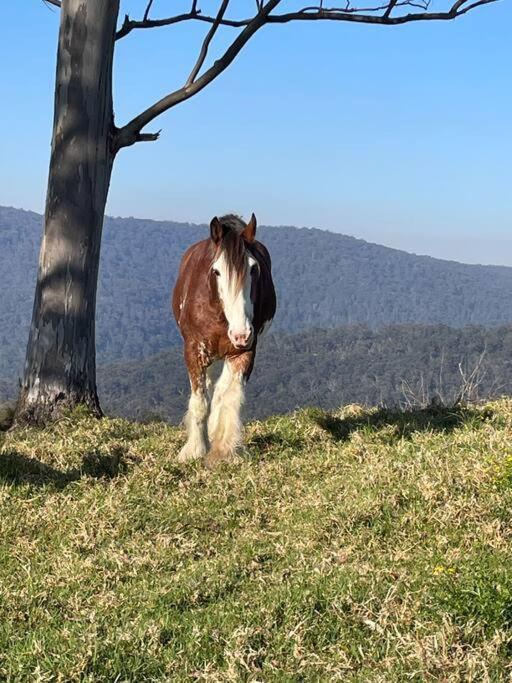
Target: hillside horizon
{"points": [[193, 224]]}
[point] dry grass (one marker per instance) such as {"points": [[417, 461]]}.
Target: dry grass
{"points": [[359, 546]]}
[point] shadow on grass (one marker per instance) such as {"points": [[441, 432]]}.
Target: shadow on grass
{"points": [[270, 440], [6, 416], [407, 422], [17, 469], [207, 596]]}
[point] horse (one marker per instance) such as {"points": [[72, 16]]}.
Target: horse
{"points": [[223, 301]]}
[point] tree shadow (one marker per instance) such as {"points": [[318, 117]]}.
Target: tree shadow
{"points": [[17, 469], [6, 415], [435, 418]]}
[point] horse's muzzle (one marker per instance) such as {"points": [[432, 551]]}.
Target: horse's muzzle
{"points": [[241, 340]]}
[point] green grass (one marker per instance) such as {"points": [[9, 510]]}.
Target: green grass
{"points": [[363, 546]]}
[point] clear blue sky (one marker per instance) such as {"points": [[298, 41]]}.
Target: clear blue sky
{"points": [[398, 135]]}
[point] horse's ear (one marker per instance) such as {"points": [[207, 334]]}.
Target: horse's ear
{"points": [[249, 232], [216, 230]]}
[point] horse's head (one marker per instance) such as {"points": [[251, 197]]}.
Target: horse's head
{"points": [[234, 271]]}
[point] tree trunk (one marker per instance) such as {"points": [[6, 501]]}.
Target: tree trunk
{"points": [[60, 365]]}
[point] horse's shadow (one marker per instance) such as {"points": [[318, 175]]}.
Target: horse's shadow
{"points": [[17, 469], [406, 423]]}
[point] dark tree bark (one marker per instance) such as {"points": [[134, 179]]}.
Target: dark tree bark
{"points": [[60, 366]]}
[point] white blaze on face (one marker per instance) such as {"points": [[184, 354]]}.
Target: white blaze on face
{"points": [[235, 296]]}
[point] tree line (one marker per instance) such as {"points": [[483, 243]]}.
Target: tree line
{"points": [[397, 365]]}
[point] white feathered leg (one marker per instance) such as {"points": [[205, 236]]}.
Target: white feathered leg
{"points": [[197, 444], [221, 387], [224, 424]]}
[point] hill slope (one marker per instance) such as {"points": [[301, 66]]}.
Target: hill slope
{"points": [[327, 368], [394, 365], [356, 546], [323, 280]]}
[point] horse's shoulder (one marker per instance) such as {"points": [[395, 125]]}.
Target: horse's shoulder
{"points": [[189, 267]]}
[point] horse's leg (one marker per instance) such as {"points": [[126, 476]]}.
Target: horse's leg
{"points": [[225, 424], [221, 386], [210, 370], [197, 444]]}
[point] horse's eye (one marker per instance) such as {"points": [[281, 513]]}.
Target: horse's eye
{"points": [[254, 269], [216, 272]]}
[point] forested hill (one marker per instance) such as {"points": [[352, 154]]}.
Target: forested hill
{"points": [[323, 280], [394, 365]]}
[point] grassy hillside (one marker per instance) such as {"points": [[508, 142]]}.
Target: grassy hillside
{"points": [[323, 279], [359, 546]]}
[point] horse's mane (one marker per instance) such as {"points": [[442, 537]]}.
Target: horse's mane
{"points": [[233, 245]]}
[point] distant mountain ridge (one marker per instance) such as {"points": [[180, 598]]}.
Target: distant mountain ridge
{"points": [[323, 279]]}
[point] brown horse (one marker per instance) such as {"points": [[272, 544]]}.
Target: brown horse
{"points": [[223, 299]]}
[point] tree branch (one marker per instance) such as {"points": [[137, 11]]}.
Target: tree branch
{"points": [[127, 135], [146, 13], [195, 14], [318, 12], [129, 24], [389, 9], [207, 41], [350, 14], [131, 132]]}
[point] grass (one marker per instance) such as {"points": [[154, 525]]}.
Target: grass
{"points": [[365, 545]]}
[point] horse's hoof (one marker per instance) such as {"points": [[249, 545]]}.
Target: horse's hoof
{"points": [[188, 454], [216, 457]]}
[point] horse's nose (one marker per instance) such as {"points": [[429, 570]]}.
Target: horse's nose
{"points": [[241, 337]]}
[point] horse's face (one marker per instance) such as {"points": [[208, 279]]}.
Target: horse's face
{"points": [[235, 271]]}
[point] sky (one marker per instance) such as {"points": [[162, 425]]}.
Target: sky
{"points": [[396, 135]]}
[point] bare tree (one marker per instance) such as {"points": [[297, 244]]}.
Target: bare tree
{"points": [[473, 385], [60, 366]]}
